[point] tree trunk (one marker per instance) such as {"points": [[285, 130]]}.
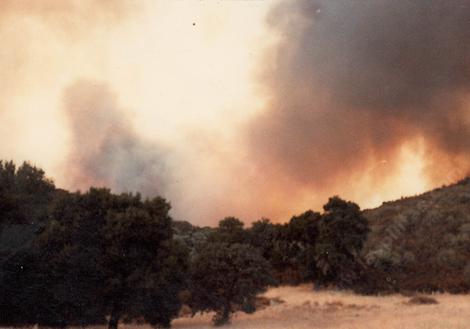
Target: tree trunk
{"points": [[222, 316], [226, 314], [113, 323], [114, 318]]}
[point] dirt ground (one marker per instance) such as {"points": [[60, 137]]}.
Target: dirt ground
{"points": [[307, 309], [304, 308]]}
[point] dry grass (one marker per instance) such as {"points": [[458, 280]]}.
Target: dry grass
{"points": [[307, 309]]}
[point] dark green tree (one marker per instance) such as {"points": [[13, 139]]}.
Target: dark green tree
{"points": [[25, 194], [274, 243], [25, 197], [342, 233], [114, 255], [262, 235], [144, 268], [290, 247], [72, 246], [230, 230], [302, 233], [304, 228], [224, 275], [192, 237]]}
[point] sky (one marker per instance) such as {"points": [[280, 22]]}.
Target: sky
{"points": [[238, 108]]}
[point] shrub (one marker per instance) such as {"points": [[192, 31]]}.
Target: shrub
{"points": [[422, 300]]}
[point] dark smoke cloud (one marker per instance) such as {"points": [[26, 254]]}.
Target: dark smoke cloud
{"points": [[105, 148], [352, 80]]}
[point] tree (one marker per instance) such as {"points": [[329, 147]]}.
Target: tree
{"points": [[25, 194], [114, 255], [225, 274], [342, 232], [72, 247], [302, 233], [304, 227], [230, 230], [25, 197], [193, 238], [144, 269], [262, 235], [290, 248]]}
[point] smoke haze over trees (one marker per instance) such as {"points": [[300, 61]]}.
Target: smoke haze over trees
{"points": [[106, 149]]}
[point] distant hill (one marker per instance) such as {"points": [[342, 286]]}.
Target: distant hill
{"points": [[423, 242]]}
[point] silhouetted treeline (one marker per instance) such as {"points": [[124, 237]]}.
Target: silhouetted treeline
{"points": [[102, 258]]}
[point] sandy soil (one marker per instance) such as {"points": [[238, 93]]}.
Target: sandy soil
{"points": [[306, 309]]}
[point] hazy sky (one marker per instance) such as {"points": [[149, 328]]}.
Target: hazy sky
{"points": [[183, 99], [181, 73]]}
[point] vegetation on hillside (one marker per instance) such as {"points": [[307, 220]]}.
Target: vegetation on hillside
{"points": [[423, 242]]}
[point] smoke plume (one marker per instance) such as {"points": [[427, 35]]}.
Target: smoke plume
{"points": [[361, 97], [105, 149], [352, 81]]}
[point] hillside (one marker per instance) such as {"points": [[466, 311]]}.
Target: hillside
{"points": [[423, 242]]}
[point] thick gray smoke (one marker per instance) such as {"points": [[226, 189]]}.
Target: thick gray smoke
{"points": [[352, 80], [105, 148]]}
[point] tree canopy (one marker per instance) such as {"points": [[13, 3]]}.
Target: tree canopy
{"points": [[342, 232], [225, 274], [25, 193]]}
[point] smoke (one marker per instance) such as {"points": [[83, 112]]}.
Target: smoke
{"points": [[68, 13], [44, 42], [351, 82], [355, 91], [163, 60], [105, 149]]}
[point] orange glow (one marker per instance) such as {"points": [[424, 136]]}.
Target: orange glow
{"points": [[188, 76]]}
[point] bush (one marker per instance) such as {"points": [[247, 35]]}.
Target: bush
{"points": [[422, 300]]}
